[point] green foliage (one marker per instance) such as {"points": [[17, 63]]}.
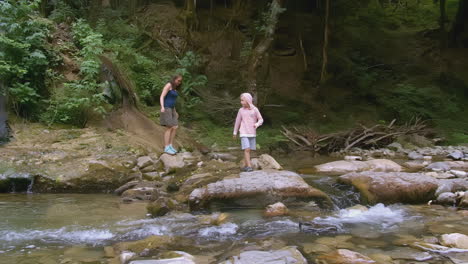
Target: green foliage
{"points": [[409, 101], [266, 23], [24, 56], [189, 67], [63, 12], [79, 100]]}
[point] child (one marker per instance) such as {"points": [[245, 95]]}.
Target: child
{"points": [[247, 121]]}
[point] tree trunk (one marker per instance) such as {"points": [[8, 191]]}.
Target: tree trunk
{"points": [[105, 3], [458, 34], [4, 133], [259, 51], [442, 20], [191, 20], [323, 74]]}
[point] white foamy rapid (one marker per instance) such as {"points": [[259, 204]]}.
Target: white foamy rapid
{"points": [[218, 232], [61, 235], [379, 215]]}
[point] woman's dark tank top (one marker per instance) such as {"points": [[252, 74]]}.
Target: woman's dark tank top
{"points": [[170, 98]]}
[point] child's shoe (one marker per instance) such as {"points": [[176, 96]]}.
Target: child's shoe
{"points": [[248, 169], [169, 150]]}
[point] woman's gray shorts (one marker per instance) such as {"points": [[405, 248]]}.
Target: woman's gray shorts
{"points": [[248, 143], [169, 117]]}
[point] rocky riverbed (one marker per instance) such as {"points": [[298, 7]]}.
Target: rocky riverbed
{"points": [[391, 205]]}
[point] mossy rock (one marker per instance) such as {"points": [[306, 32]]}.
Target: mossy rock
{"points": [[151, 243]]}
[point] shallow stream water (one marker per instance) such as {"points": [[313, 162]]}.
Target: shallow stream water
{"points": [[74, 228]]}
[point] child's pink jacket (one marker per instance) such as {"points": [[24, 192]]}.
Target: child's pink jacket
{"points": [[247, 122]]}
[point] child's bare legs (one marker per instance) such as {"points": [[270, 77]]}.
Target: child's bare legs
{"points": [[247, 157]]}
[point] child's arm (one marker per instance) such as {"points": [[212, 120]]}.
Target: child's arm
{"points": [[237, 124], [259, 118]]}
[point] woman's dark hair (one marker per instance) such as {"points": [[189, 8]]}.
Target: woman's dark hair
{"points": [[172, 81]]}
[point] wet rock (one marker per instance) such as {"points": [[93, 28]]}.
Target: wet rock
{"points": [[151, 243], [358, 207], [197, 180], [276, 209], [336, 242], [267, 162], [457, 257], [454, 240], [456, 155], [428, 246], [223, 156], [446, 198], [315, 248], [214, 219], [342, 166], [392, 187], [172, 162], [129, 164], [174, 257], [143, 162], [125, 256], [409, 254], [138, 194], [344, 256], [160, 207], [413, 155], [271, 183], [287, 255], [381, 258], [109, 252], [125, 187]]}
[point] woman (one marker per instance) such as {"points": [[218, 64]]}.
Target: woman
{"points": [[169, 116]]}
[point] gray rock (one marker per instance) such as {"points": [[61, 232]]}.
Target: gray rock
{"points": [[413, 155], [343, 166], [444, 188], [395, 146], [438, 166], [464, 200], [459, 174], [287, 255], [446, 198], [144, 161], [267, 183], [392, 187], [352, 158], [415, 164], [268, 162], [172, 162], [222, 156], [125, 187], [456, 155]]}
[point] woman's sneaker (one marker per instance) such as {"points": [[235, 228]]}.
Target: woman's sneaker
{"points": [[169, 150], [173, 149]]}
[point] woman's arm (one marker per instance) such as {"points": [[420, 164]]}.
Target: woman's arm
{"points": [[163, 94]]}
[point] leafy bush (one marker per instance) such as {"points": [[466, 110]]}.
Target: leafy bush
{"points": [[79, 100], [24, 57]]}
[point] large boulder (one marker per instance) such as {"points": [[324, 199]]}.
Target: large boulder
{"points": [[265, 183], [287, 255], [392, 187], [345, 166]]}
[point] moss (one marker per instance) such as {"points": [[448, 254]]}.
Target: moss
{"points": [[151, 243]]}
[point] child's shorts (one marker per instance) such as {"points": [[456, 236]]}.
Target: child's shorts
{"points": [[248, 143]]}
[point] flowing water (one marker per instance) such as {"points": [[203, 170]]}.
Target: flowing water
{"points": [[73, 228]]}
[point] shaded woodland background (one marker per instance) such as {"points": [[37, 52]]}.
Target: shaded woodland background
{"points": [[323, 64]]}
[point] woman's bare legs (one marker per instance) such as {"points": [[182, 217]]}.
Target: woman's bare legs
{"points": [[172, 135], [167, 136]]}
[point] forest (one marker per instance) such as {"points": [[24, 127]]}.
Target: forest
{"points": [[326, 65]]}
